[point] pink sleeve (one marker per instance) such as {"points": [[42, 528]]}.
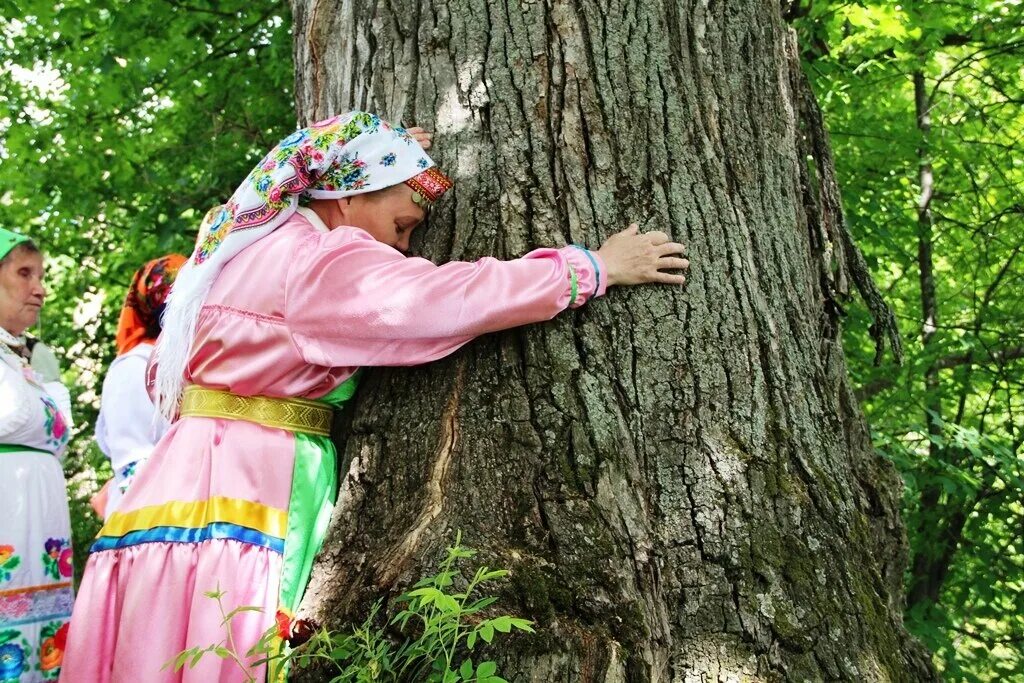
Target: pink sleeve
{"points": [[353, 301]]}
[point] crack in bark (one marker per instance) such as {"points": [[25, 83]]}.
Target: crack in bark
{"points": [[402, 553]]}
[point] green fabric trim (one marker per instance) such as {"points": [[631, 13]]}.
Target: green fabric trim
{"points": [[343, 392], [314, 492], [597, 268], [13, 448], [9, 240], [575, 286]]}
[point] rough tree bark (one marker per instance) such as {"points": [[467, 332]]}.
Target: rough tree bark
{"points": [[680, 480]]}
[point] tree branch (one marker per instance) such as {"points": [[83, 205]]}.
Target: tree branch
{"points": [[849, 261], [997, 357], [987, 51], [1005, 640], [200, 10]]}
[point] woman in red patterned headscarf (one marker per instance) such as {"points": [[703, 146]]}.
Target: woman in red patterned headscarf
{"points": [[129, 427]]}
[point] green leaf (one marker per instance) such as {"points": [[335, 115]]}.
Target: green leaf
{"points": [[178, 661], [522, 624], [503, 624], [446, 603], [245, 608], [483, 603], [466, 670]]}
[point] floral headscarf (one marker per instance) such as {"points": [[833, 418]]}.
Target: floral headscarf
{"points": [[340, 157], [140, 315]]}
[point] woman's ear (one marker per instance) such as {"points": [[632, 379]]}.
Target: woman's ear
{"points": [[343, 205]]}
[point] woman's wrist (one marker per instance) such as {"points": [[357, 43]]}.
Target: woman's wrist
{"points": [[610, 275]]}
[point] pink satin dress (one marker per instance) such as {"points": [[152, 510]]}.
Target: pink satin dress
{"points": [[242, 508]]}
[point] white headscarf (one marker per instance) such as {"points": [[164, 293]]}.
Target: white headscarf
{"points": [[342, 156]]}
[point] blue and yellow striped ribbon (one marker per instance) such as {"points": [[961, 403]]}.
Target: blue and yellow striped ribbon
{"points": [[196, 521]]}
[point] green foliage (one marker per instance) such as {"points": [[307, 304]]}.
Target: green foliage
{"points": [[440, 625], [122, 122], [951, 419]]}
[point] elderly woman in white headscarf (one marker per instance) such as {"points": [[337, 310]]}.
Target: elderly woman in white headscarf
{"points": [[35, 528], [278, 307]]}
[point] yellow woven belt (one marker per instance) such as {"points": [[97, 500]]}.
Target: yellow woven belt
{"points": [[292, 414]]}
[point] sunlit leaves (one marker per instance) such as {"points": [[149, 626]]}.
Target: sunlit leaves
{"points": [[961, 464]]}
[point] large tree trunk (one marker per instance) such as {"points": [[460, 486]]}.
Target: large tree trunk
{"points": [[680, 479]]}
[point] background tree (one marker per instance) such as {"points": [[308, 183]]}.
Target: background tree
{"points": [[924, 102], [681, 481]]}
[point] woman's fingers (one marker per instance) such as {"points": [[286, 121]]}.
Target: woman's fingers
{"points": [[672, 263], [421, 136], [656, 237], [669, 278], [670, 248]]}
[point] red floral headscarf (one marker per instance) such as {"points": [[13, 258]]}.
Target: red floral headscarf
{"points": [[140, 316]]}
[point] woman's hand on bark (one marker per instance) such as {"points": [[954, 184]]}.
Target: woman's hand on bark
{"points": [[635, 258]]}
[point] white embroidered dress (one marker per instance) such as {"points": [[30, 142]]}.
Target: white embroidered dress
{"points": [[35, 528]]}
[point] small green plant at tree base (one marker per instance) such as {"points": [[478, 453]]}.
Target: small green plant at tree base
{"points": [[225, 649], [440, 625]]}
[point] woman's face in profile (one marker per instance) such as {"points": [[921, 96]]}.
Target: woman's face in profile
{"points": [[21, 290], [388, 215]]}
